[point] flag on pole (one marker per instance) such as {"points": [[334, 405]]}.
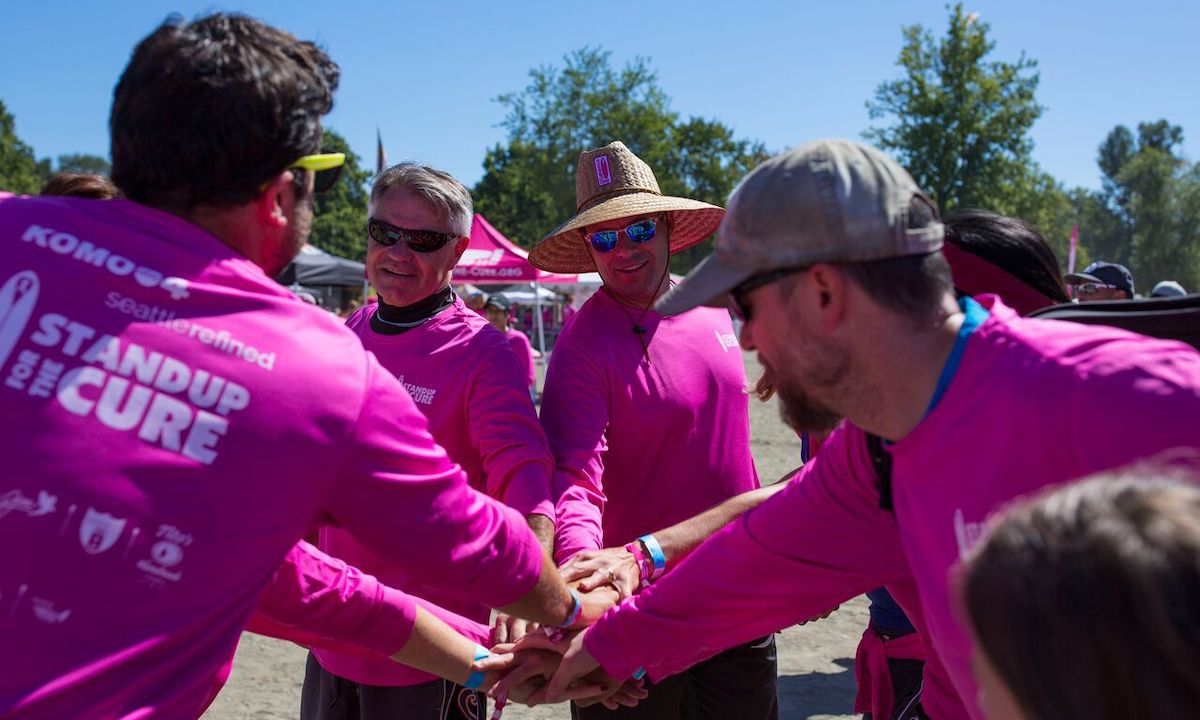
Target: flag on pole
{"points": [[380, 154], [1072, 248]]}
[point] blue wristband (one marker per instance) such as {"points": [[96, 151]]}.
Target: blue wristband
{"points": [[639, 673], [656, 555], [578, 607], [475, 679]]}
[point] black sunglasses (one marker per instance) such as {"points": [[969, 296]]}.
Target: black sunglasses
{"points": [[737, 296], [422, 241]]}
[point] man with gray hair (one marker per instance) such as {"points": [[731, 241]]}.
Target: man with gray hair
{"points": [[467, 382], [831, 256]]}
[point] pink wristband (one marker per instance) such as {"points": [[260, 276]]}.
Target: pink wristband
{"points": [[639, 557]]}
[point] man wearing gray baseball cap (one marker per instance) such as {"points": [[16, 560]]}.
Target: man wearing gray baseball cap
{"points": [[831, 255]]}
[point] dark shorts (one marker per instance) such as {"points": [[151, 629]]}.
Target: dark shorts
{"points": [[738, 683], [328, 697], [906, 686]]}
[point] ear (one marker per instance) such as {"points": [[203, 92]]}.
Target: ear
{"points": [[827, 288], [460, 247], [277, 201]]}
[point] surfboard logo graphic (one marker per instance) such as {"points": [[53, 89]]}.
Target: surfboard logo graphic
{"points": [[17, 297]]}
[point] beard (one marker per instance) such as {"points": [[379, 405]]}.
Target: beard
{"points": [[830, 367], [802, 413]]}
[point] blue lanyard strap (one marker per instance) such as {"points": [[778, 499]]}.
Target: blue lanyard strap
{"points": [[975, 315]]}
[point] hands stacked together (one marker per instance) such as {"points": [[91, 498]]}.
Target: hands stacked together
{"points": [[534, 666]]}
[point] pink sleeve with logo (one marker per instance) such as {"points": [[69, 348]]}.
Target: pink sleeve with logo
{"points": [[575, 416], [399, 489], [817, 543], [317, 600]]}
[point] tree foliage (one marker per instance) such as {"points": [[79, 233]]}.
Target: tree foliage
{"points": [[340, 215], [83, 163], [528, 186], [960, 124], [20, 171], [1147, 213]]}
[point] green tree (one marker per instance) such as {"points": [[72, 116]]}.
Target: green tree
{"points": [[1147, 212], [528, 185], [83, 163], [20, 171], [960, 122], [340, 215]]}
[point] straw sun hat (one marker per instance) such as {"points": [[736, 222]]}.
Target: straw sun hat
{"points": [[612, 183]]}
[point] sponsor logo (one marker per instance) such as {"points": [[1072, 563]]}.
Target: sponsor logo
{"points": [[13, 501], [46, 611], [422, 395], [68, 245], [482, 257], [218, 339], [99, 531], [966, 534], [18, 295], [129, 388], [603, 171], [166, 553], [728, 340]]}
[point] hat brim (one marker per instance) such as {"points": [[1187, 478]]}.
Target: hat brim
{"points": [[1078, 278], [708, 284], [564, 251]]}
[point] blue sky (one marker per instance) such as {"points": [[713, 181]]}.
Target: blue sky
{"points": [[426, 73]]}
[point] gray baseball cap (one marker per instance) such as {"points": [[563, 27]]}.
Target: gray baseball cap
{"points": [[824, 201]]}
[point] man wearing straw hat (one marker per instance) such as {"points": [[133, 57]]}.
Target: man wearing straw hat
{"points": [[647, 415]]}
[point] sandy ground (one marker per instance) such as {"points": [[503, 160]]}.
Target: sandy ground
{"points": [[816, 661]]}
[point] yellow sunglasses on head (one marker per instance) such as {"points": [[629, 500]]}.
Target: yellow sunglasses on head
{"points": [[326, 169]]}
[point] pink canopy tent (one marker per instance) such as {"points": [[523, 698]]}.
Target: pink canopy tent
{"points": [[492, 259]]}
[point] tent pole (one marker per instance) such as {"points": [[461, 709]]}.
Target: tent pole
{"points": [[537, 300]]}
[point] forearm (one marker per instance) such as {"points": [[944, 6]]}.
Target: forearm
{"points": [[549, 602], [679, 540], [543, 529], [436, 648]]}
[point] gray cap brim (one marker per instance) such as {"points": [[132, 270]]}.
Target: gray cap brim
{"points": [[707, 284]]}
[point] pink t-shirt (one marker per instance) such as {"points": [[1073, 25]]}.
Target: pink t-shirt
{"points": [[640, 445], [175, 421], [519, 342], [467, 382], [1034, 403]]}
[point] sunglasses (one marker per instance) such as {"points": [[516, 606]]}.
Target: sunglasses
{"points": [[326, 169], [422, 241], [1093, 288], [605, 241], [737, 296]]}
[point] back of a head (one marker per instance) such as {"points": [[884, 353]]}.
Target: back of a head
{"points": [[207, 112], [84, 185], [1010, 245], [1086, 600]]}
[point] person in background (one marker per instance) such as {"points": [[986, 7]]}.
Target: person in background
{"points": [[497, 309], [1102, 281], [476, 301], [1168, 288], [84, 185], [466, 381], [647, 416], [1084, 601]]}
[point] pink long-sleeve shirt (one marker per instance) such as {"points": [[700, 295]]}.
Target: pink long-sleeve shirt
{"points": [[466, 381], [174, 422], [1033, 403], [519, 342], [640, 445]]}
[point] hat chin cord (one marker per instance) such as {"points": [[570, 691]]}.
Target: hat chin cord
{"points": [[638, 329]]}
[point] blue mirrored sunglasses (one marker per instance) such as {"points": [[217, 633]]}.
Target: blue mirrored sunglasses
{"points": [[605, 241]]}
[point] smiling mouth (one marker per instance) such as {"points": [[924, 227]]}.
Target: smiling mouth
{"points": [[633, 268], [398, 273]]}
